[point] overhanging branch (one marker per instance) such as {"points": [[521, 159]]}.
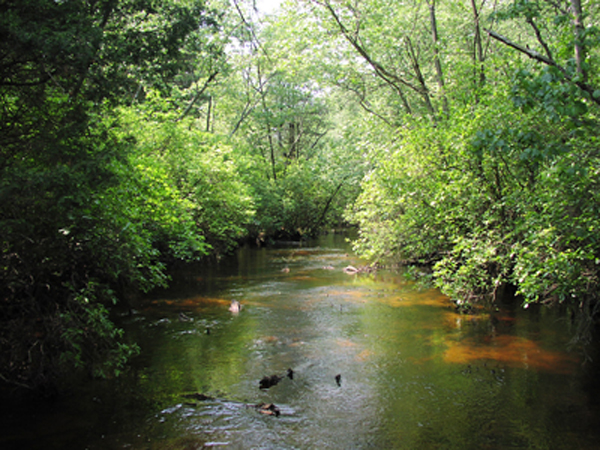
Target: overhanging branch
{"points": [[548, 61], [531, 53]]}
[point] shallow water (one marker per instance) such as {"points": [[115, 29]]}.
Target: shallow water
{"points": [[413, 373]]}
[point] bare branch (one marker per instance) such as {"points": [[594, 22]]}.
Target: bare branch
{"points": [[392, 79], [531, 53], [197, 95], [251, 28], [538, 35]]}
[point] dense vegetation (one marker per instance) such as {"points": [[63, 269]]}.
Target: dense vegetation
{"points": [[135, 133], [491, 169]]}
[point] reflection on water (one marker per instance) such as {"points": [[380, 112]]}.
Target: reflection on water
{"points": [[413, 374]]}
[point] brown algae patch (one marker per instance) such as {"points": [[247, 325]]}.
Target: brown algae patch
{"points": [[303, 278], [416, 299], [513, 351], [458, 321], [193, 302], [345, 343], [350, 295], [361, 354], [364, 355]]}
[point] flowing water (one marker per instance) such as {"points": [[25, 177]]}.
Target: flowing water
{"points": [[413, 374]]}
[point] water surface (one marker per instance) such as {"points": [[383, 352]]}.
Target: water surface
{"points": [[414, 374]]}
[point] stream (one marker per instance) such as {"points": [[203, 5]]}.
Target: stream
{"points": [[413, 373]]}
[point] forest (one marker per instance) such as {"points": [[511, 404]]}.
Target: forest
{"points": [[462, 136]]}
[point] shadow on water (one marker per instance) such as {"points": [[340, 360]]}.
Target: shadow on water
{"points": [[377, 364]]}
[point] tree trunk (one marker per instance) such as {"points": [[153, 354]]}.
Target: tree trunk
{"points": [[208, 113], [328, 204], [292, 144], [436, 55], [579, 49], [424, 91], [272, 149], [478, 51]]}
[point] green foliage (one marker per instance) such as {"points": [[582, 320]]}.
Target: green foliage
{"points": [[60, 244], [502, 191], [193, 175], [88, 334], [283, 127], [491, 203], [295, 205], [559, 257], [84, 217], [128, 141], [503, 194]]}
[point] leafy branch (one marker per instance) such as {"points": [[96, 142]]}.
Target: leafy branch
{"points": [[594, 92]]}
